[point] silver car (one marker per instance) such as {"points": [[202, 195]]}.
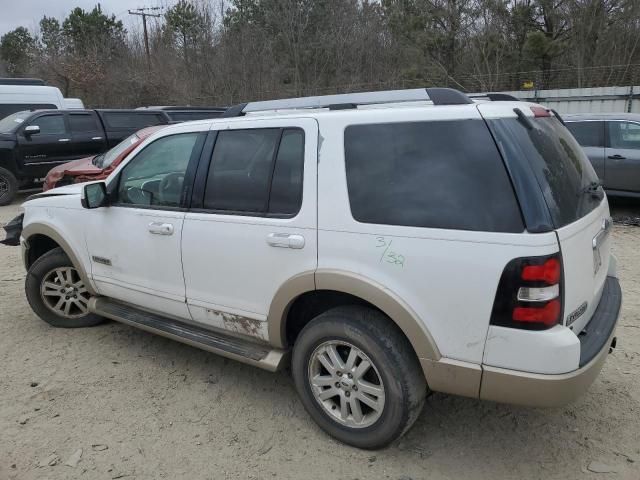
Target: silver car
{"points": [[612, 143]]}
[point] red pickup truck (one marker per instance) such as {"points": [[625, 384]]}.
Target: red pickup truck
{"points": [[97, 167]]}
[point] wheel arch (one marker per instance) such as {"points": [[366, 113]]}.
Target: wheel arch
{"points": [[39, 239], [358, 287]]}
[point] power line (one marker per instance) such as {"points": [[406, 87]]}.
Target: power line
{"points": [[143, 12]]}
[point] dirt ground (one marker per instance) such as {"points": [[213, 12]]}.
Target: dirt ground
{"points": [[139, 406]]}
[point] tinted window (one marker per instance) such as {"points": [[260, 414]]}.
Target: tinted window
{"points": [[588, 134], [81, 123], [445, 174], [624, 135], [7, 109], [240, 170], [132, 120], [155, 176], [50, 124], [559, 164], [286, 187]]}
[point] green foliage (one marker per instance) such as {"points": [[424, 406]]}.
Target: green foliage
{"points": [[92, 31], [185, 24], [16, 49], [51, 36]]}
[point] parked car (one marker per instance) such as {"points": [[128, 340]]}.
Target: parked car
{"points": [[185, 114], [97, 167], [612, 143], [387, 251], [18, 94], [32, 142]]}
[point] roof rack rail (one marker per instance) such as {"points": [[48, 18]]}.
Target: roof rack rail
{"points": [[344, 101], [21, 81], [497, 97]]}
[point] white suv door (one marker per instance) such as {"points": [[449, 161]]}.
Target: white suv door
{"points": [[134, 244], [253, 226]]}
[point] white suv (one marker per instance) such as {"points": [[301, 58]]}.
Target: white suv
{"points": [[394, 243]]}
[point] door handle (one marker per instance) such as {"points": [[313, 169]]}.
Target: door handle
{"points": [[616, 157], [285, 240], [64, 140], [158, 228], [96, 138]]}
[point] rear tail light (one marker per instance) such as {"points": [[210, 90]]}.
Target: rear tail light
{"points": [[530, 293]]}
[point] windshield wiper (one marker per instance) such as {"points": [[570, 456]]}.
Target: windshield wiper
{"points": [[593, 188]]}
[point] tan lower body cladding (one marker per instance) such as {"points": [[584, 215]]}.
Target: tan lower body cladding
{"points": [[511, 386]]}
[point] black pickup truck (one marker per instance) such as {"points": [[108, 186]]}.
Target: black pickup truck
{"points": [[33, 142]]}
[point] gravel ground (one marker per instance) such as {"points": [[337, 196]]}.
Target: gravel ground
{"points": [[116, 402]]}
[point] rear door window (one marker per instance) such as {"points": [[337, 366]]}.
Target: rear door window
{"points": [[588, 134], [438, 174], [256, 172], [83, 123]]}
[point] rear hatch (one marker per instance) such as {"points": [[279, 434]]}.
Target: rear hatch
{"points": [[576, 207]]}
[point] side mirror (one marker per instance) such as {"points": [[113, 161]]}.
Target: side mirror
{"points": [[31, 130], [94, 195]]}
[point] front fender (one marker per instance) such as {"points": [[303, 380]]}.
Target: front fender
{"points": [[30, 231]]}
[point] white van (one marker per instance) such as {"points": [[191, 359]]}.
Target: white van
{"points": [[15, 98], [73, 104]]}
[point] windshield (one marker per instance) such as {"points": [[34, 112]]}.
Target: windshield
{"points": [[105, 160], [568, 182], [13, 121]]}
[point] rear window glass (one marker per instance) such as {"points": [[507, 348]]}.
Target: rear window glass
{"points": [[560, 166], [133, 121], [588, 134], [439, 174]]}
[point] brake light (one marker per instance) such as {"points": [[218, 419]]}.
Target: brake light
{"points": [[547, 315], [548, 272], [540, 112], [529, 294]]}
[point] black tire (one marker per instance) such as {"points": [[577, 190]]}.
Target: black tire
{"points": [[8, 186], [40, 271], [388, 349]]}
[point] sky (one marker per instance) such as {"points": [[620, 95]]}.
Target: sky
{"points": [[27, 13]]}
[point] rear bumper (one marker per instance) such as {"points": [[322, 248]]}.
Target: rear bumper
{"points": [[540, 390]]}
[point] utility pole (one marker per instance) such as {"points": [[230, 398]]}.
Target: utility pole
{"points": [[143, 12]]}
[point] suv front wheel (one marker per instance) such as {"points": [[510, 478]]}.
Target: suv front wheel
{"points": [[56, 292], [358, 377]]}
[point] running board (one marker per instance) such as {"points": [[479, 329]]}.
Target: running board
{"points": [[229, 346]]}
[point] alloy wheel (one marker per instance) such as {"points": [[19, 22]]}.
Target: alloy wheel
{"points": [[346, 384], [63, 291]]}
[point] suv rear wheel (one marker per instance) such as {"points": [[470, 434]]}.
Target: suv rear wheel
{"points": [[8, 186], [56, 292], [357, 376]]}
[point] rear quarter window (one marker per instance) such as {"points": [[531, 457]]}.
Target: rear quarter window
{"points": [[436, 174]]}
